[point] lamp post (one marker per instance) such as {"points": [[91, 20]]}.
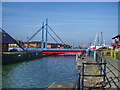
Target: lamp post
{"points": [[27, 43]]}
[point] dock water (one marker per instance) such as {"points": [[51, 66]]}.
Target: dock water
{"points": [[95, 74]]}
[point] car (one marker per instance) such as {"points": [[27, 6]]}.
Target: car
{"points": [[13, 50], [103, 48]]}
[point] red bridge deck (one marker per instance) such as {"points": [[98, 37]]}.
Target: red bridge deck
{"points": [[63, 50]]}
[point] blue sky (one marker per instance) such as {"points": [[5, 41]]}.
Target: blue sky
{"points": [[0, 14], [76, 23]]}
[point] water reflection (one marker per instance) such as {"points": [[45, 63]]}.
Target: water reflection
{"points": [[39, 73]]}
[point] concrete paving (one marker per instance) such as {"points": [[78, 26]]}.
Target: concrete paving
{"points": [[89, 70], [58, 85]]}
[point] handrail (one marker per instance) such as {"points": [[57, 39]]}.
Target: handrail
{"points": [[100, 60], [110, 71], [115, 83], [113, 73], [113, 66], [102, 64]]}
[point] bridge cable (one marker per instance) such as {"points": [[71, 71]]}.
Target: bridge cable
{"points": [[56, 35], [52, 36], [34, 34]]}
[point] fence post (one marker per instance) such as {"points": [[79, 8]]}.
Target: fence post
{"points": [[82, 87]]}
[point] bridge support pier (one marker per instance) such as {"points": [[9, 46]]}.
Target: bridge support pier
{"points": [[43, 35], [46, 33]]}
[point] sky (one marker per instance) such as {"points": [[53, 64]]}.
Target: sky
{"points": [[60, 0], [76, 23], [0, 14]]}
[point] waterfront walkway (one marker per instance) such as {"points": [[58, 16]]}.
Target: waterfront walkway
{"points": [[116, 64], [103, 72], [58, 85]]}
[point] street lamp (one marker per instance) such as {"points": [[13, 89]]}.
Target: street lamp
{"points": [[27, 43]]}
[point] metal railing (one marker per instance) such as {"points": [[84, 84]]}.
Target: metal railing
{"points": [[102, 65], [101, 75], [113, 78]]}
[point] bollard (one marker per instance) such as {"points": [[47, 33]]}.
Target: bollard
{"points": [[95, 55], [87, 52]]}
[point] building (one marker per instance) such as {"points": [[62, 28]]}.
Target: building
{"points": [[116, 43], [33, 44], [6, 40], [15, 45], [38, 44], [58, 45]]}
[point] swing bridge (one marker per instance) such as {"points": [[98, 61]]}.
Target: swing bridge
{"points": [[45, 29]]}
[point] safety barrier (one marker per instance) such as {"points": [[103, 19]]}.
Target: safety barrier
{"points": [[104, 81]]}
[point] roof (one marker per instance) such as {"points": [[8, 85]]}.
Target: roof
{"points": [[6, 38], [33, 42], [116, 36]]}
